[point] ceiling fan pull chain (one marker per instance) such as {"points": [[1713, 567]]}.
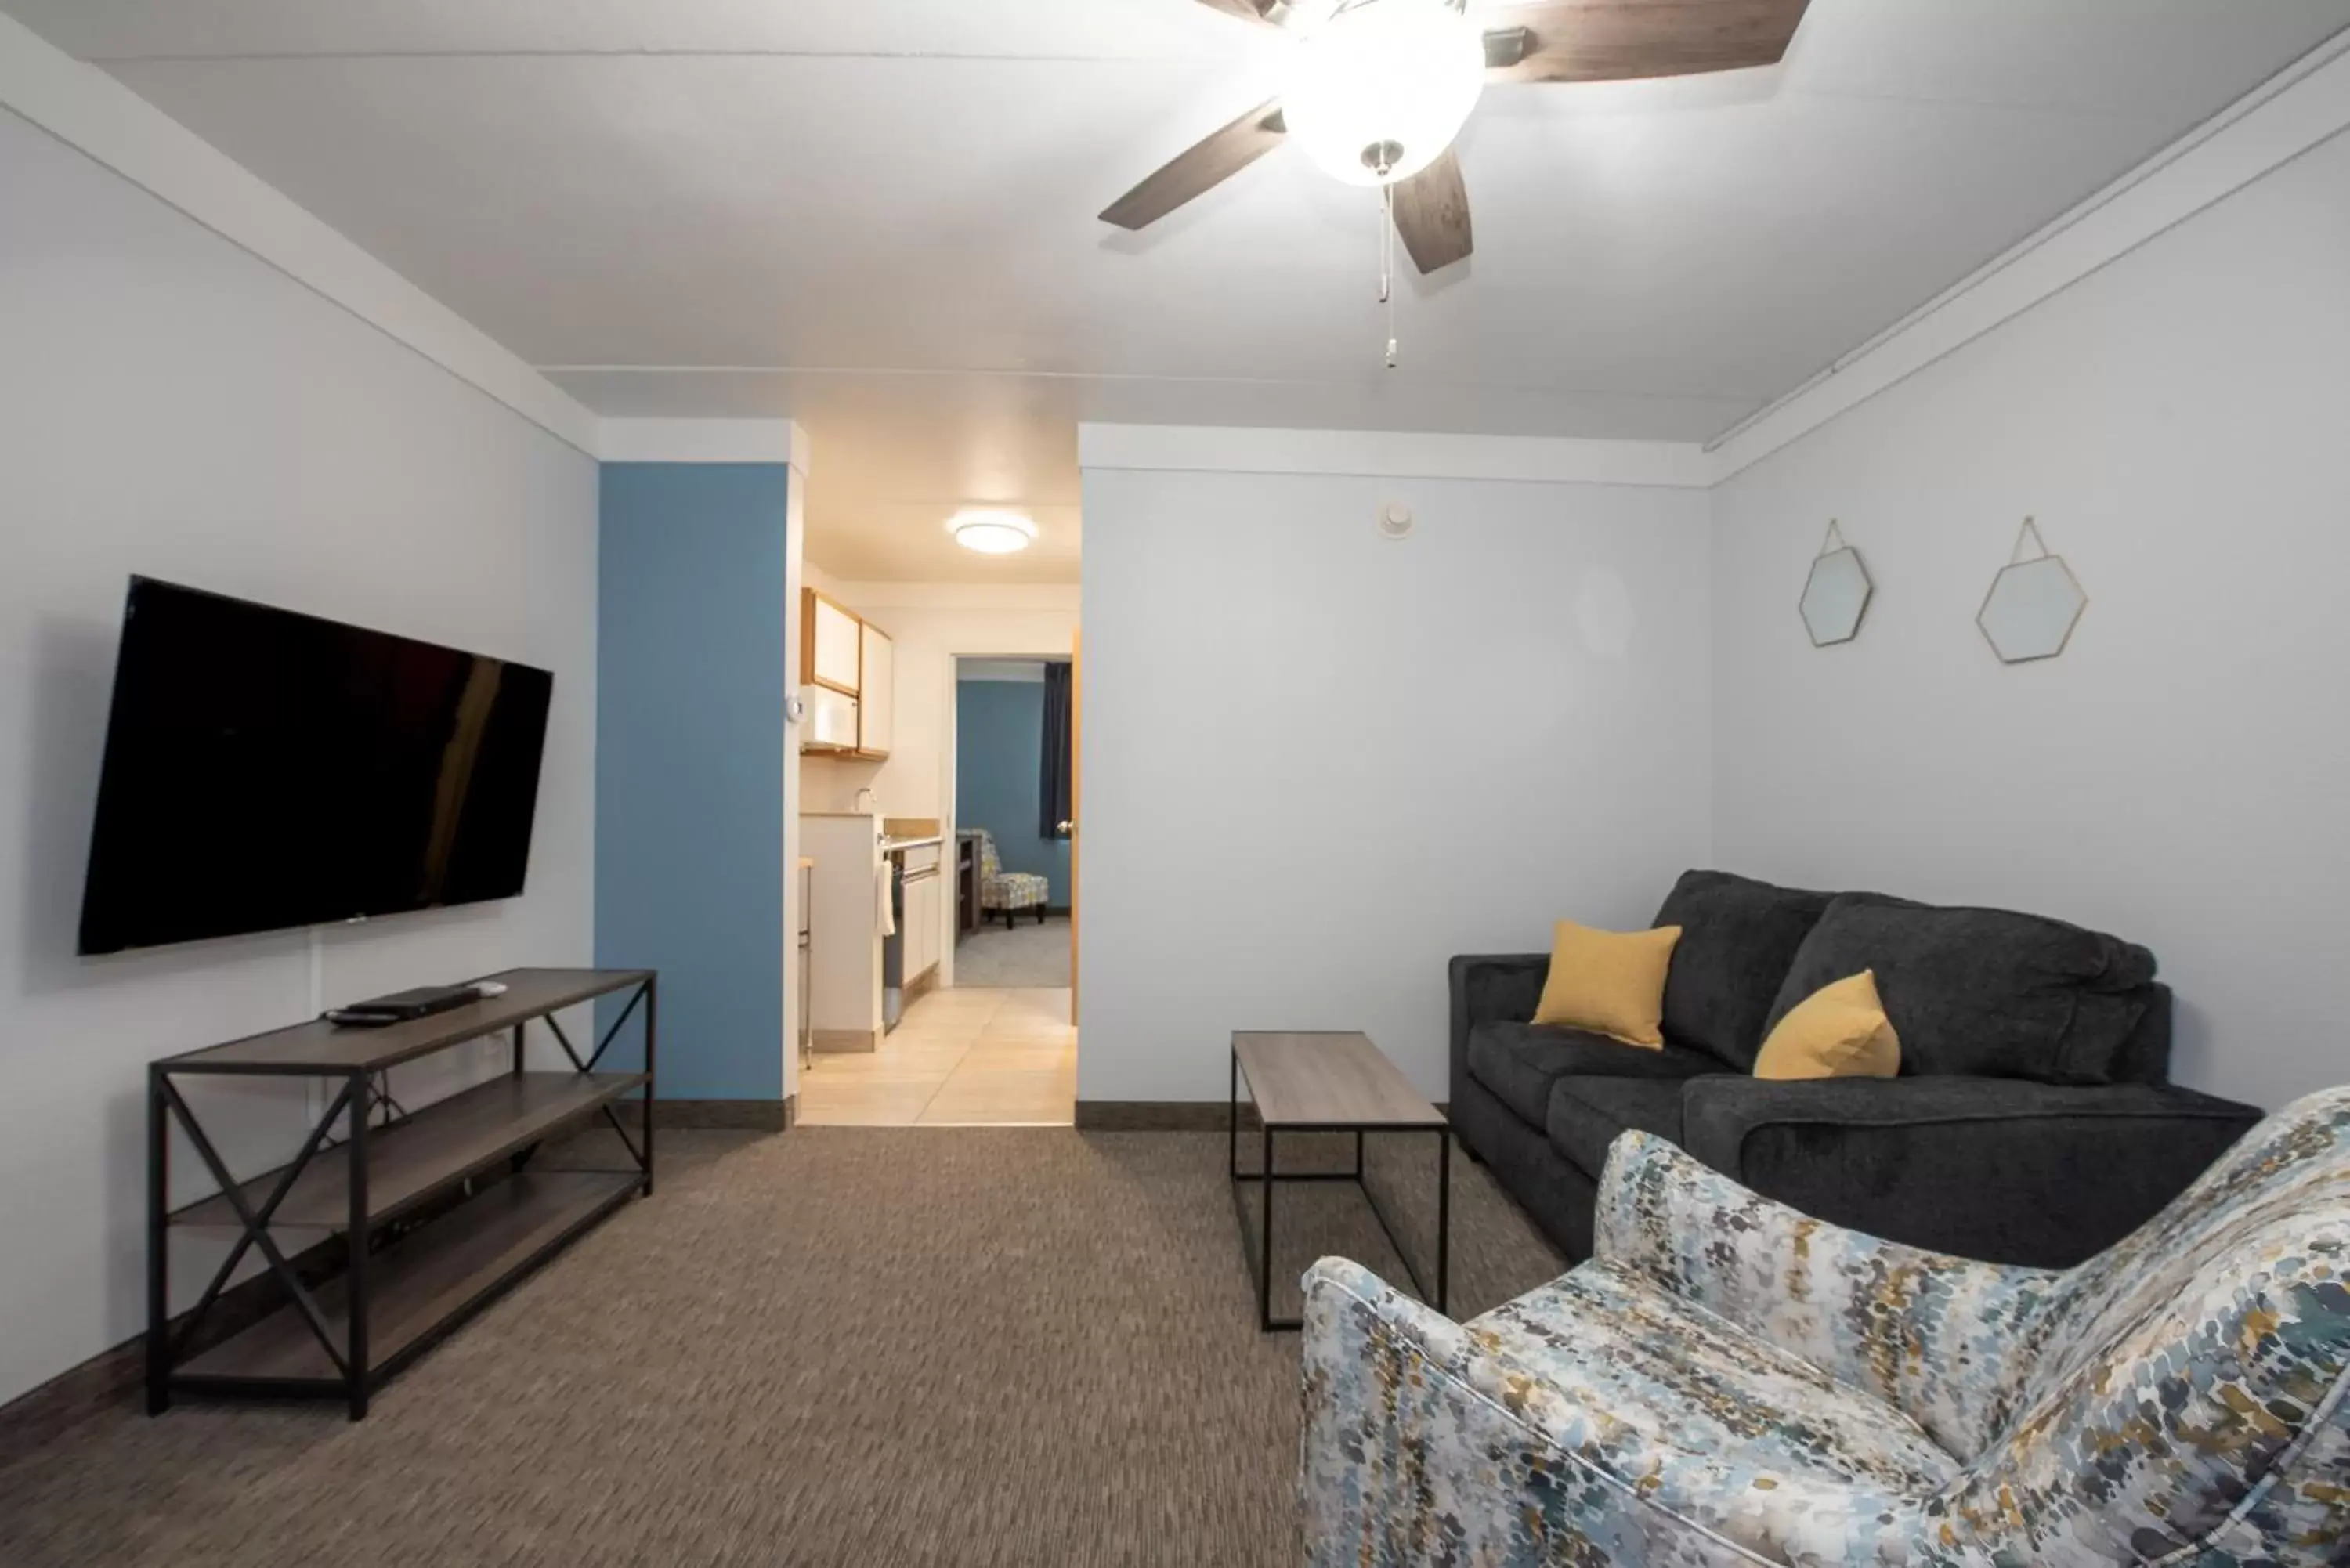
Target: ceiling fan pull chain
{"points": [[1386, 265]]}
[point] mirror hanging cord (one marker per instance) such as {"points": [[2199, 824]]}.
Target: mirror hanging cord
{"points": [[2030, 530]]}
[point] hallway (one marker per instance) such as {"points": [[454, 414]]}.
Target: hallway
{"points": [[1031, 955], [967, 1056]]}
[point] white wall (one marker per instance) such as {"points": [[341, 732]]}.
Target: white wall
{"points": [[2175, 423], [1316, 764], [171, 406]]}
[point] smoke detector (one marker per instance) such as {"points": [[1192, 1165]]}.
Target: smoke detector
{"points": [[1394, 521]]}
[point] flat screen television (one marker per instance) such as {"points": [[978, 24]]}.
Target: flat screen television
{"points": [[266, 769]]}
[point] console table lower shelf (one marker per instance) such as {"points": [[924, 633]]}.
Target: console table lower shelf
{"points": [[440, 1211]]}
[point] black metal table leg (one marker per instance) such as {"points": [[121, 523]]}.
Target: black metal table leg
{"points": [[1264, 1274], [354, 1238], [653, 1010], [1235, 1108], [1444, 1217], [159, 1241]]}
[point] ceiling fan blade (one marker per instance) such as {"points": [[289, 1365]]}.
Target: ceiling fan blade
{"points": [[1206, 165], [1272, 13], [1616, 40], [1431, 213]]}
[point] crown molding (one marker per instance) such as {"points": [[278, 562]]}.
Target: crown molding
{"points": [[1387, 454], [704, 441], [2304, 105], [91, 112]]}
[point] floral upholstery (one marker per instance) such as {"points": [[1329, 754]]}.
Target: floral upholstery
{"points": [[1729, 1381], [1002, 890]]}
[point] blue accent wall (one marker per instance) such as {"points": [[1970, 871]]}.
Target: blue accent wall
{"points": [[689, 808], [999, 747]]}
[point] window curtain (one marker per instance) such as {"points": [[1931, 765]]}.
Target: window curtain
{"points": [[1053, 805]]}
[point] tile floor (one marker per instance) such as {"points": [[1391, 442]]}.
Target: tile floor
{"points": [[968, 1056]]}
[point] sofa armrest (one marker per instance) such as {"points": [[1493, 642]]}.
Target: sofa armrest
{"points": [[2000, 1169], [1491, 988], [1932, 1335], [1425, 1441]]}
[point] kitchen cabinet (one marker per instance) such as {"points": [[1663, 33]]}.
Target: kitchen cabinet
{"points": [[831, 643], [876, 690], [843, 989], [851, 670]]}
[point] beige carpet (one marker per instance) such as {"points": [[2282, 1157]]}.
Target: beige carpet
{"points": [[1027, 956], [853, 1346]]}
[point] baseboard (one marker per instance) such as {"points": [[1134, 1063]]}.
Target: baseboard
{"points": [[1173, 1115], [844, 1040], [922, 986], [742, 1116], [1161, 1115]]}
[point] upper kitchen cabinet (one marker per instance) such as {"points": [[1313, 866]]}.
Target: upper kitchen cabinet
{"points": [[830, 643], [876, 693], [851, 674]]}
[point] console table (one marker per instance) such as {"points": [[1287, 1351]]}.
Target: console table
{"points": [[402, 1286]]}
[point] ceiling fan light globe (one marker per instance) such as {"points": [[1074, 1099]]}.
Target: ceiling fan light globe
{"points": [[1403, 74]]}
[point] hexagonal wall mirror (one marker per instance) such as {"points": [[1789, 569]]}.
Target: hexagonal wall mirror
{"points": [[2033, 605], [1837, 595]]}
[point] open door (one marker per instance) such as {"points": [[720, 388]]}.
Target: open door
{"points": [[1077, 796]]}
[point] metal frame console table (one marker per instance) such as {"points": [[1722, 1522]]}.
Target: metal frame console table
{"points": [[402, 1285]]}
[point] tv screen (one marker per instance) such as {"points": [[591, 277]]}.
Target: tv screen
{"points": [[266, 769]]}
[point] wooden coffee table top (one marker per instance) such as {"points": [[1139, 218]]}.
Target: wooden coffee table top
{"points": [[1329, 1079]]}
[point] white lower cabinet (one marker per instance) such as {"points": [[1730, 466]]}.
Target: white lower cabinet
{"points": [[921, 935]]}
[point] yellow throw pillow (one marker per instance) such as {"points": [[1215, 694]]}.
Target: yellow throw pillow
{"points": [[1840, 1031], [1610, 982]]}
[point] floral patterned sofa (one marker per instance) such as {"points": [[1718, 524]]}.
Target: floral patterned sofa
{"points": [[1728, 1381]]}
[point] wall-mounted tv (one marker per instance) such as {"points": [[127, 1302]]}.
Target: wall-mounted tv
{"points": [[266, 769]]}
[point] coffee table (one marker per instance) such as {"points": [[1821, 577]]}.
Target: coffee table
{"points": [[1330, 1082]]}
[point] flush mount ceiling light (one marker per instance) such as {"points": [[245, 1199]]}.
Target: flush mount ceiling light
{"points": [[991, 533], [1380, 89]]}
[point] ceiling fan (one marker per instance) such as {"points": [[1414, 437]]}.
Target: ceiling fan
{"points": [[1381, 87]]}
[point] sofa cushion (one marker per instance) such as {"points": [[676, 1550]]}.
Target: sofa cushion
{"points": [[1520, 1062], [1986, 993], [1588, 1114], [1738, 938]]}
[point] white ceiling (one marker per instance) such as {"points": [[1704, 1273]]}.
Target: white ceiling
{"points": [[877, 217]]}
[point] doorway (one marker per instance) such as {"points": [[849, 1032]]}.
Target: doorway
{"points": [[1012, 817], [995, 1044]]}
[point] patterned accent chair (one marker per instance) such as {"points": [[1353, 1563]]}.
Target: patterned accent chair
{"points": [[1007, 892], [1728, 1381]]}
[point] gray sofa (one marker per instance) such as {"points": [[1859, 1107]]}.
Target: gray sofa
{"points": [[2032, 1123]]}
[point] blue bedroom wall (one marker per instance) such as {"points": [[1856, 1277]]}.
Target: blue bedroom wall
{"points": [[998, 745], [689, 804]]}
